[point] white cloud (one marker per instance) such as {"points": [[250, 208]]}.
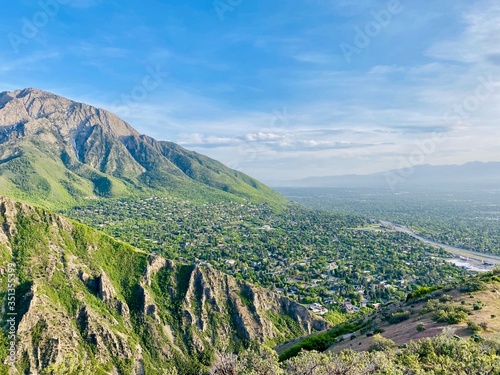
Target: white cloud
{"points": [[263, 137], [200, 140], [480, 41]]}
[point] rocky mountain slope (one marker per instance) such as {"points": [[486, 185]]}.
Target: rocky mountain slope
{"points": [[54, 151], [88, 304]]}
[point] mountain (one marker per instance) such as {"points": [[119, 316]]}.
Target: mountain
{"points": [[57, 152], [470, 175], [88, 304]]}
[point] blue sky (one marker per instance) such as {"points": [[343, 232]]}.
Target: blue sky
{"points": [[278, 89]]}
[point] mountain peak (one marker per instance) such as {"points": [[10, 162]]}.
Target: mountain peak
{"points": [[71, 149], [32, 91], [65, 115]]}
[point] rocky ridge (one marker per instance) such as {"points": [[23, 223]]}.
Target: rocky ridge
{"points": [[89, 304]]}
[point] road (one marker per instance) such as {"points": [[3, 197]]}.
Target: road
{"points": [[490, 258]]}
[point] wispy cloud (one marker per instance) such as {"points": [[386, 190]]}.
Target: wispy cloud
{"points": [[314, 57], [86, 49], [82, 4], [28, 62]]}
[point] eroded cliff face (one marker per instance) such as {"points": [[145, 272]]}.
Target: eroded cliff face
{"points": [[220, 308], [88, 304]]}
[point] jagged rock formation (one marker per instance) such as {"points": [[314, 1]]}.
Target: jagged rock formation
{"points": [[87, 304], [56, 151]]}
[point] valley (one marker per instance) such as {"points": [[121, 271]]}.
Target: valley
{"points": [[465, 218], [306, 255]]}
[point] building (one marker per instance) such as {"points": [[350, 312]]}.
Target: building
{"points": [[318, 309]]}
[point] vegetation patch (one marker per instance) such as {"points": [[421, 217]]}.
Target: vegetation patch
{"points": [[320, 342], [447, 312], [398, 317], [286, 326], [422, 292]]}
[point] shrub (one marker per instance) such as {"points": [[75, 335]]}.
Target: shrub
{"points": [[380, 344], [420, 327], [473, 327], [477, 306], [320, 342], [473, 286], [398, 317], [477, 338], [445, 298], [442, 354], [225, 364], [421, 292], [447, 312], [450, 316]]}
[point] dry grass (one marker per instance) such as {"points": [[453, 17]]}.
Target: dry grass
{"points": [[406, 331]]}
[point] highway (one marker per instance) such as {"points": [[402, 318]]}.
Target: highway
{"points": [[489, 258]]}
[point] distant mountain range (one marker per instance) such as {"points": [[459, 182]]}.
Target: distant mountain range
{"points": [[54, 151], [475, 174]]}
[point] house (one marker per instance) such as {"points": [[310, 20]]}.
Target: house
{"points": [[317, 308], [348, 307]]}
